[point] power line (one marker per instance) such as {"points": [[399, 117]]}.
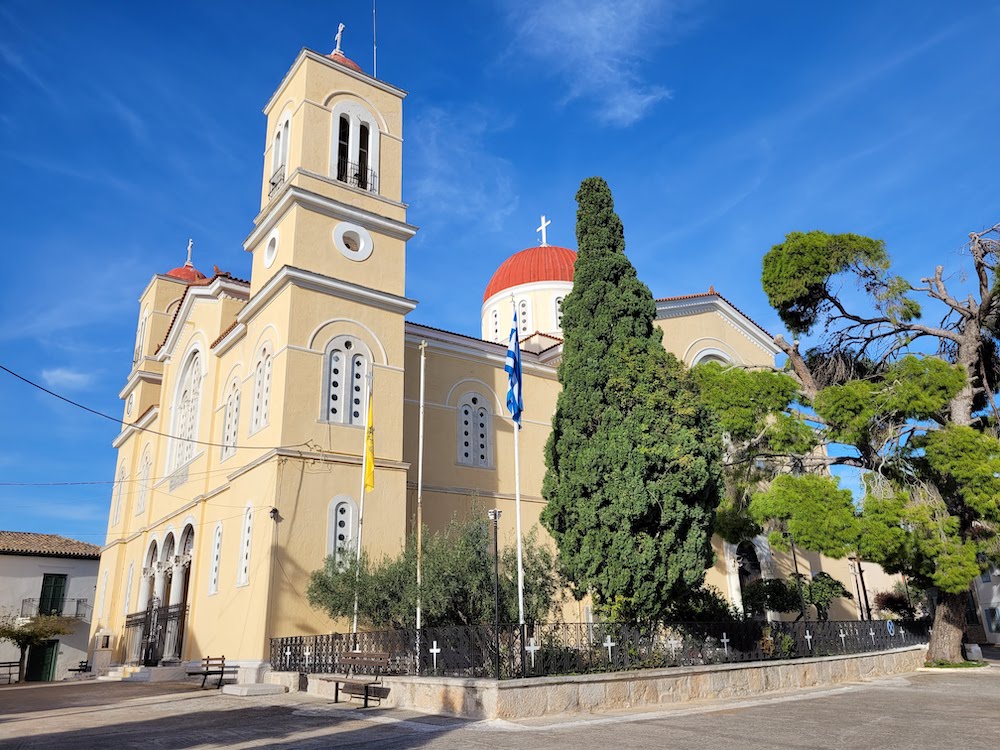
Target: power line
{"points": [[122, 423]]}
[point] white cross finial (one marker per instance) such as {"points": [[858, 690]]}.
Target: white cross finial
{"points": [[809, 640], [609, 644], [190, 246], [288, 653], [340, 33], [872, 634], [434, 650], [531, 648], [843, 638], [541, 229], [725, 642]]}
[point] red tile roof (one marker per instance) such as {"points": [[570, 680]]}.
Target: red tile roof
{"points": [[544, 263], [49, 545]]}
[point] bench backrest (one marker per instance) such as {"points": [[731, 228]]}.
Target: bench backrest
{"points": [[354, 660], [213, 662]]}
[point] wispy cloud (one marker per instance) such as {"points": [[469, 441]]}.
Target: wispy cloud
{"points": [[597, 48], [65, 378], [457, 173], [15, 62], [131, 119]]}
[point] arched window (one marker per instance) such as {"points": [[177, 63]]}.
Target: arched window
{"points": [[185, 428], [261, 391], [475, 432], [231, 421], [145, 470], [341, 528], [346, 369], [559, 302], [127, 598], [244, 574], [355, 156], [496, 324], [140, 338], [524, 318], [119, 497], [213, 576]]}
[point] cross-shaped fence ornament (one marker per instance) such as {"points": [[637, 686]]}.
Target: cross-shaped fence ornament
{"points": [[871, 632], [541, 229], [288, 655], [674, 644], [843, 638], [725, 642], [307, 652], [809, 640], [902, 632], [609, 644], [531, 648], [434, 651]]}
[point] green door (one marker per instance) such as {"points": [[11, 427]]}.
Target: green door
{"points": [[42, 662], [53, 594]]}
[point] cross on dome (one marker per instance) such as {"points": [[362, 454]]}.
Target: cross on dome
{"points": [[340, 33], [190, 246], [541, 229]]}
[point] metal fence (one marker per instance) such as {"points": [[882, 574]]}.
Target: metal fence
{"points": [[153, 635], [561, 648]]}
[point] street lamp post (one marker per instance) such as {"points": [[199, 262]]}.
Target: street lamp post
{"points": [[798, 578], [494, 515], [864, 590]]}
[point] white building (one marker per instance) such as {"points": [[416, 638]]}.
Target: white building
{"points": [[48, 574]]}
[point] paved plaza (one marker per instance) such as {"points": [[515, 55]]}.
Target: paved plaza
{"points": [[919, 710]]}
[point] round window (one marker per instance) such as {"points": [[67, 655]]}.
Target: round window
{"points": [[353, 241], [129, 404], [271, 251]]}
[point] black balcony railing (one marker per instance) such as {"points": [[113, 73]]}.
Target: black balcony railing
{"points": [[78, 608], [357, 175], [554, 649], [277, 180]]}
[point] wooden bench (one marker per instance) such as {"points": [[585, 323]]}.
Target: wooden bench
{"points": [[355, 684], [83, 666], [210, 665]]}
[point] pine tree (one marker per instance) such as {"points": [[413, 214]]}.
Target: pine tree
{"points": [[633, 460]]}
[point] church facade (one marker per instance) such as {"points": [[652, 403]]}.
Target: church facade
{"points": [[240, 466]]}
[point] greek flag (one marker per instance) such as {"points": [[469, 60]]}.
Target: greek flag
{"points": [[513, 368]]}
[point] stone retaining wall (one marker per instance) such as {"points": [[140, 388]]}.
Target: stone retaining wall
{"points": [[542, 696]]}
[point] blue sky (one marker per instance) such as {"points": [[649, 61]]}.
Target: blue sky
{"points": [[126, 128]]}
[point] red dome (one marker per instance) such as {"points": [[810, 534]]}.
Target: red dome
{"points": [[545, 263], [339, 57], [187, 273]]}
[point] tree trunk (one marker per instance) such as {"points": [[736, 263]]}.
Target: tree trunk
{"points": [[22, 667], [949, 626]]}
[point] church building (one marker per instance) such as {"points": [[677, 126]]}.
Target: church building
{"points": [[239, 467]]}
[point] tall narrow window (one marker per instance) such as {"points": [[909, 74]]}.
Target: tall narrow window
{"points": [[341, 529], [363, 141], [343, 147], [261, 391], [524, 318], [127, 598], [145, 469], [559, 304], [244, 576], [140, 339], [231, 421], [185, 428], [213, 576], [346, 375], [496, 324], [119, 496], [475, 432]]}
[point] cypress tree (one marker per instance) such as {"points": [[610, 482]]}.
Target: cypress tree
{"points": [[633, 460]]}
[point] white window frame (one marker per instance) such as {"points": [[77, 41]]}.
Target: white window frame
{"points": [[128, 588], [558, 311], [145, 469], [119, 496], [186, 411], [357, 114], [231, 421], [216, 564], [523, 318], [341, 508], [243, 575], [473, 409], [260, 417], [354, 364]]}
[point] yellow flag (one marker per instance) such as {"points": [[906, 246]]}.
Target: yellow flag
{"points": [[370, 446]]}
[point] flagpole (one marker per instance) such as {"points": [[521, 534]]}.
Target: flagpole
{"points": [[361, 505], [517, 488], [420, 490]]}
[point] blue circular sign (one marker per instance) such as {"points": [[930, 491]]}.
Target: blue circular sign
{"points": [[891, 627]]}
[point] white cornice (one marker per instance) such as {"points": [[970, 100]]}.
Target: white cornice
{"points": [[474, 349], [297, 196], [551, 285], [230, 339], [137, 375], [305, 54], [221, 286], [678, 308], [140, 424], [289, 275]]}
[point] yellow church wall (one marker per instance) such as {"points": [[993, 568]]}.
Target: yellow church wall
{"points": [[710, 331]]}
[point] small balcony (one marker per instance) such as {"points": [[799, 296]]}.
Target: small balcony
{"points": [[75, 608], [357, 175], [277, 180]]}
